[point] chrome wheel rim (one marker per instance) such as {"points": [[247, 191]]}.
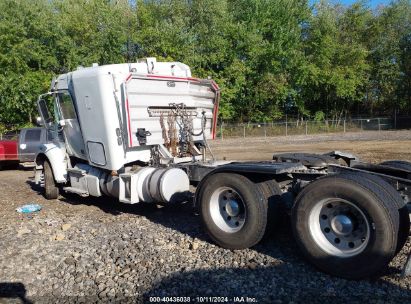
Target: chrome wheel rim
{"points": [[339, 227], [227, 209]]}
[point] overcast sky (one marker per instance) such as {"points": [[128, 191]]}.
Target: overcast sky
{"points": [[372, 3]]}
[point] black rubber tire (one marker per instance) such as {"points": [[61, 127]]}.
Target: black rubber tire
{"points": [[404, 224], [404, 229], [272, 193], [256, 209], [380, 209], [400, 164], [51, 191]]}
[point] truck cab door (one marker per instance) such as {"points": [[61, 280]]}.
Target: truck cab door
{"points": [[69, 125]]}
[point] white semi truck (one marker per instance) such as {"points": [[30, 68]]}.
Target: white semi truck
{"points": [[139, 132]]}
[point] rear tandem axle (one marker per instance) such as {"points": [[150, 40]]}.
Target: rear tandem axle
{"points": [[349, 218]]}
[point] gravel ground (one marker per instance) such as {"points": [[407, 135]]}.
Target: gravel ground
{"points": [[98, 250]]}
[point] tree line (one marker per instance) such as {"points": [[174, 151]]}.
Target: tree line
{"points": [[270, 57]]}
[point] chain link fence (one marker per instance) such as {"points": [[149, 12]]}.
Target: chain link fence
{"points": [[294, 127], [309, 127]]}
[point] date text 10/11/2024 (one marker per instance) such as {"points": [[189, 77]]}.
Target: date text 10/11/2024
{"points": [[202, 300]]}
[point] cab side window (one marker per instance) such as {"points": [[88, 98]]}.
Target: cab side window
{"points": [[66, 105]]}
